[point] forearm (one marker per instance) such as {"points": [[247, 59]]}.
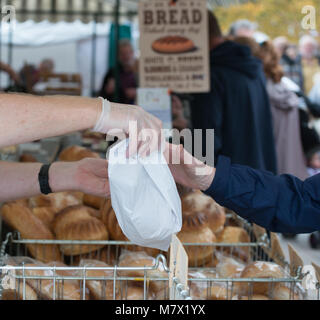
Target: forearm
{"points": [[278, 203], [26, 118], [20, 180]]}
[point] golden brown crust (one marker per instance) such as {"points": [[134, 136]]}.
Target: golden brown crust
{"points": [[199, 209], [76, 153], [22, 219], [57, 201], [27, 158], [92, 201], [198, 255], [261, 270], [66, 290], [100, 290], [76, 223], [45, 214], [11, 294], [235, 235]]}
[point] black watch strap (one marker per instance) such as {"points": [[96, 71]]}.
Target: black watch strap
{"points": [[44, 179]]}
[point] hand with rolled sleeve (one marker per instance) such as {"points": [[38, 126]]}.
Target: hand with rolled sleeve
{"points": [[278, 203]]}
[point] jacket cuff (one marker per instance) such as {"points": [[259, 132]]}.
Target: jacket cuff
{"points": [[218, 188]]}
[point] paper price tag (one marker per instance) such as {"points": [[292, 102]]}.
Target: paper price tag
{"points": [[178, 267], [295, 261], [276, 252]]}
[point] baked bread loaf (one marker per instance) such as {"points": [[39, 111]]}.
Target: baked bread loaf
{"points": [[261, 270], [229, 268], [235, 235], [76, 223], [21, 218], [92, 201], [27, 158], [64, 290], [76, 153], [17, 294], [173, 44], [132, 292], [197, 202], [281, 292], [106, 255], [215, 291], [100, 289], [196, 229], [45, 214], [57, 201]]}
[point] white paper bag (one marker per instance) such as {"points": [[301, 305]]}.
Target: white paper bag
{"points": [[144, 197]]}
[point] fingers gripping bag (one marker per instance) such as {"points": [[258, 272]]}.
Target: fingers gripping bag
{"points": [[144, 197]]}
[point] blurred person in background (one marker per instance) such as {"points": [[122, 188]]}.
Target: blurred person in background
{"points": [[243, 28], [285, 114], [127, 76], [46, 67], [237, 106], [308, 48], [11, 73]]}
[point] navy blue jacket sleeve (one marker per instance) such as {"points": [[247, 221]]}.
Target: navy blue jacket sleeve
{"points": [[278, 203]]}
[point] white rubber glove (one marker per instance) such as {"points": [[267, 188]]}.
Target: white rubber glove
{"points": [[143, 129]]}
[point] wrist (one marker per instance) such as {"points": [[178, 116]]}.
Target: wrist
{"points": [[62, 176], [207, 179]]}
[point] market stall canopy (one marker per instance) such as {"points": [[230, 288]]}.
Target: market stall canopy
{"points": [[85, 10]]}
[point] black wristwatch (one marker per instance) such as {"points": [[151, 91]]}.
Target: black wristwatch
{"points": [[43, 178]]}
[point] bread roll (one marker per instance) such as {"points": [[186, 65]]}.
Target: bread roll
{"points": [[229, 268], [57, 201], [100, 289], [17, 294], [22, 219], [76, 153], [141, 259], [106, 255], [47, 289], [27, 158], [45, 214], [215, 292], [281, 292], [92, 201], [197, 202], [261, 270], [76, 223], [235, 235]]}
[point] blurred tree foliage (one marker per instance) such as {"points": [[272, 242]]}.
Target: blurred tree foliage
{"points": [[275, 17]]}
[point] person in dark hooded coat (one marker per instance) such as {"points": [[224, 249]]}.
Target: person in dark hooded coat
{"points": [[237, 106]]}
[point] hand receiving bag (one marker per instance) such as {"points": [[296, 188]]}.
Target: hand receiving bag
{"points": [[144, 197]]}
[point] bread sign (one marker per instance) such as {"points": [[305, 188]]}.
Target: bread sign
{"points": [[174, 45]]}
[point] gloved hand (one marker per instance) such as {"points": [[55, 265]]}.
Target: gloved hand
{"points": [[143, 129], [187, 170]]}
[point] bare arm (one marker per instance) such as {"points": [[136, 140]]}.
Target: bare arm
{"points": [[26, 118], [20, 180]]}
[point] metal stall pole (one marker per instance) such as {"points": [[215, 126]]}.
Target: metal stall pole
{"points": [[116, 38], [10, 49], [93, 55]]}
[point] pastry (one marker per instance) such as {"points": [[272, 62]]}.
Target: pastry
{"points": [[198, 202], [281, 292], [173, 44], [48, 289], [196, 229], [92, 201], [45, 214], [76, 153], [76, 223], [215, 291], [141, 259], [131, 292], [21, 218], [235, 235], [57, 201], [229, 268], [106, 255], [100, 289], [261, 270], [17, 294]]}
